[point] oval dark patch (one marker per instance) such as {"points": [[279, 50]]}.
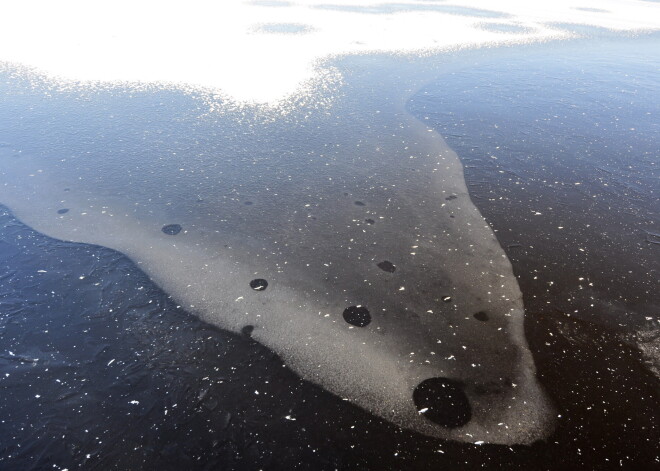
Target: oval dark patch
{"points": [[258, 284], [359, 203], [443, 402], [171, 229], [62, 211], [387, 266], [247, 330], [481, 316], [248, 203], [370, 221], [357, 315]]}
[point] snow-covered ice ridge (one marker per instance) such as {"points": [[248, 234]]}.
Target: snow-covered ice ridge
{"points": [[262, 51]]}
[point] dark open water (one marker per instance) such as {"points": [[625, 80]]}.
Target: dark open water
{"points": [[99, 369]]}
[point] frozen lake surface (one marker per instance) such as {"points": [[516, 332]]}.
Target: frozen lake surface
{"points": [[369, 284]]}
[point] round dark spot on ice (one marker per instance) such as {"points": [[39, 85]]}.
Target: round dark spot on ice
{"points": [[67, 189], [446, 299], [387, 266], [359, 203], [247, 330], [357, 315], [443, 401], [451, 197], [62, 211], [370, 221], [248, 203], [481, 316], [171, 229], [258, 284]]}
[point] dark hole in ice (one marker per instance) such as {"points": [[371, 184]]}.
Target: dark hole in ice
{"points": [[171, 229], [370, 221], [62, 211], [248, 203], [451, 197], [258, 284], [446, 298], [359, 203], [357, 315], [387, 266], [443, 401], [481, 316], [247, 330], [67, 189]]}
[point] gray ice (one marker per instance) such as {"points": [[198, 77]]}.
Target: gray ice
{"points": [[285, 198]]}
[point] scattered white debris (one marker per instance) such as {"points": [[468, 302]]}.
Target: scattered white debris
{"points": [[111, 362], [288, 417], [134, 402]]}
